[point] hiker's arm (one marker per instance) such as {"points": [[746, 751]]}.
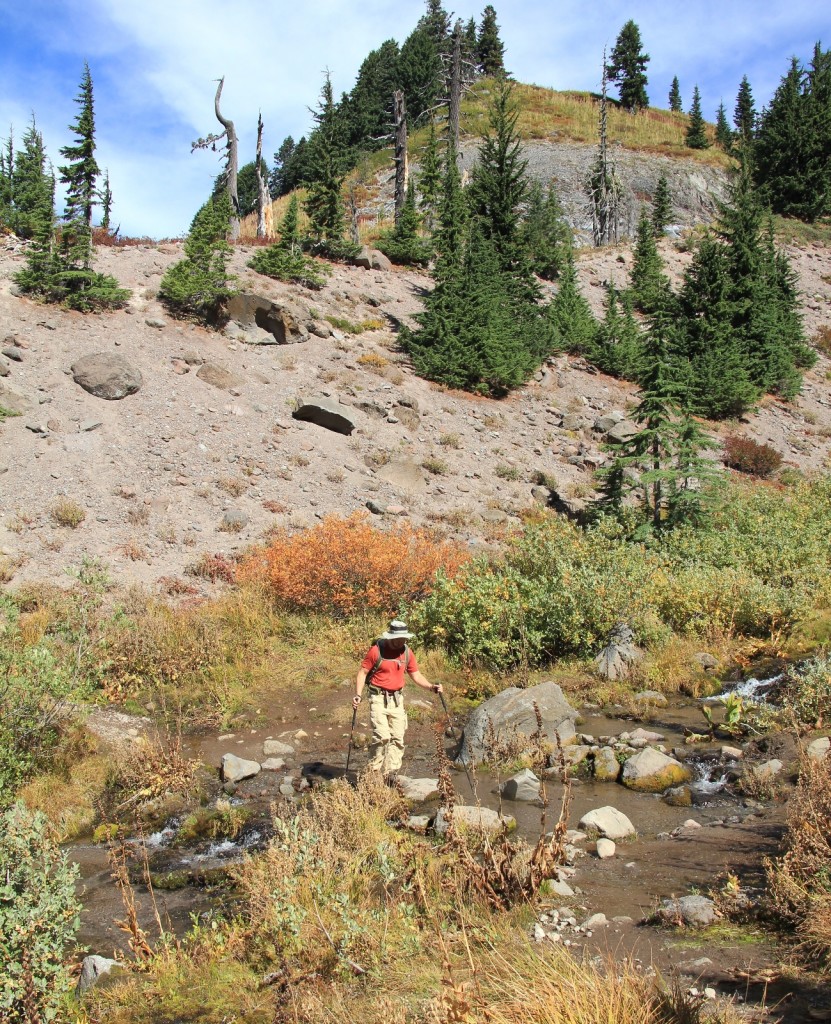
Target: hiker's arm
{"points": [[359, 686], [425, 683]]}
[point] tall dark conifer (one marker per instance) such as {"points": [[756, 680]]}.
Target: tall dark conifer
{"points": [[545, 236], [744, 114], [696, 136], [661, 207], [327, 165], [569, 313], [649, 286], [675, 96], [627, 67], [80, 175], [724, 135], [490, 50]]}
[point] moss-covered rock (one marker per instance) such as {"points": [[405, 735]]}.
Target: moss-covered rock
{"points": [[650, 771]]}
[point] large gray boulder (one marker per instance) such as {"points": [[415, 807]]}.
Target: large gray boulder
{"points": [[510, 714], [608, 822], [650, 771], [278, 323], [478, 818], [619, 655], [235, 769], [93, 969], [106, 375], [623, 430], [523, 786], [326, 413], [692, 911]]}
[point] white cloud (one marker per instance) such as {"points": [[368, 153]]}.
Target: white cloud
{"points": [[155, 64]]}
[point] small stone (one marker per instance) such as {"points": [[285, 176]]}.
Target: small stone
{"points": [[273, 764], [13, 353], [818, 749], [595, 921], [605, 848], [710, 993], [88, 425], [235, 769], [155, 322], [275, 748]]}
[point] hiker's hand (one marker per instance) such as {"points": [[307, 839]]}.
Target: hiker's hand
{"points": [[438, 688], [356, 700]]}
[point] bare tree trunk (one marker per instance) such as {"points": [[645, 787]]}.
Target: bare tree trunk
{"points": [[604, 186], [401, 164], [265, 223], [455, 102], [232, 165]]}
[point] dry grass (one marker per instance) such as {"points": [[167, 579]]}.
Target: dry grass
{"points": [[138, 515], [67, 512], [232, 485], [799, 882]]}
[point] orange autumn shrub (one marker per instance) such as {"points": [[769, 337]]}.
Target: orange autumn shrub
{"points": [[344, 566]]}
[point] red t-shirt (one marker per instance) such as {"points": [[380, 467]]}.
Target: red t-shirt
{"points": [[390, 676]]}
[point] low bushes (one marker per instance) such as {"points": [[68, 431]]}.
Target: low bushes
{"points": [[748, 456], [761, 563], [348, 566]]}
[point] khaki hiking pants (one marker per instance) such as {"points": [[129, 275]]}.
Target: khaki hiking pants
{"points": [[389, 723]]}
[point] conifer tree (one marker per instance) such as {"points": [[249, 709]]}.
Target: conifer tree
{"points": [[29, 183], [6, 179], [627, 67], [403, 244], [544, 235], [499, 187], [490, 50], [430, 179], [724, 136], [617, 343], [420, 71], [744, 114], [569, 313], [285, 260], [105, 198], [675, 96], [696, 136], [81, 172], [469, 41], [649, 286], [41, 260], [661, 207], [197, 285], [327, 166]]}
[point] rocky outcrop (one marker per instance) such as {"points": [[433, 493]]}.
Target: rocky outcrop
{"points": [[106, 375], [265, 322], [619, 655], [328, 414], [511, 716]]}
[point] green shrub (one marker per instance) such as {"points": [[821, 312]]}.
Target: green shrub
{"points": [[196, 286], [33, 691], [406, 252], [289, 264], [39, 916], [806, 690], [760, 563]]}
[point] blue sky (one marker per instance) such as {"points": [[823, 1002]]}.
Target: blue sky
{"points": [[155, 63]]}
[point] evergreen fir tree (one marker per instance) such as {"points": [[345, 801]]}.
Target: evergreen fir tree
{"points": [[661, 207], [430, 179], [327, 164], [80, 175], [6, 180], [627, 67], [490, 50], [617, 344], [744, 114], [675, 96], [693, 475], [724, 136], [499, 187], [793, 147], [469, 41], [105, 198], [573, 323], [29, 183], [544, 235], [285, 260], [696, 136], [720, 381], [197, 285], [41, 259], [366, 111], [649, 286], [291, 167], [420, 71], [404, 245]]}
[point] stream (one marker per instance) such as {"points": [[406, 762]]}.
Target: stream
{"points": [[191, 869]]}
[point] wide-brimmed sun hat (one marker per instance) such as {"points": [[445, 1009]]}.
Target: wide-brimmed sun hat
{"points": [[397, 630]]}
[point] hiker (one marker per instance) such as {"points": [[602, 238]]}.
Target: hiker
{"points": [[382, 671]]}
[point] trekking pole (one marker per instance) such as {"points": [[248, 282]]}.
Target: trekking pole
{"points": [[450, 724], [351, 731]]}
